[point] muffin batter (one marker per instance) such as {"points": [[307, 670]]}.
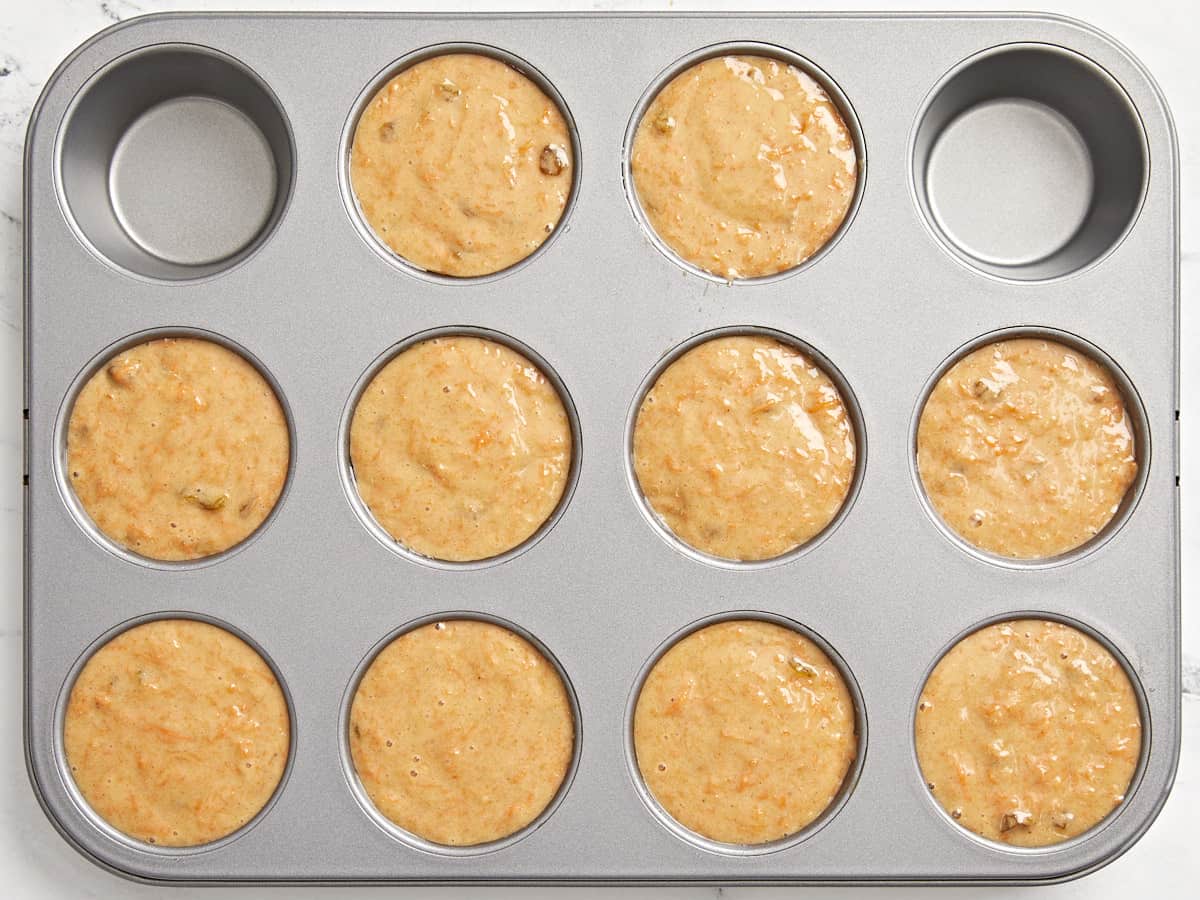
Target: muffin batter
{"points": [[743, 447], [744, 166], [461, 732], [461, 165], [1028, 732], [176, 732], [1025, 449], [461, 448], [177, 448], [744, 732]]}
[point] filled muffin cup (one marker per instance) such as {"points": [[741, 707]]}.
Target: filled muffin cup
{"points": [[766, 157], [1022, 435], [808, 660], [387, 764], [442, 213], [1030, 732], [170, 402], [437, 524], [694, 506], [142, 764]]}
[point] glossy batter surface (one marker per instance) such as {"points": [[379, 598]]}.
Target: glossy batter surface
{"points": [[744, 166], [461, 732], [1028, 732], [744, 448], [461, 448], [176, 732], [744, 731], [177, 448], [462, 165], [1025, 448]]}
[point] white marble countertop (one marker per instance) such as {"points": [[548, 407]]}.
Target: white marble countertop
{"points": [[34, 37]]}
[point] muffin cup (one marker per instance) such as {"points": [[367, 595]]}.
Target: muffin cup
{"points": [[1143, 753], [747, 850], [407, 837], [350, 199], [64, 768], [346, 467], [744, 48], [1029, 162], [62, 467], [175, 162], [853, 412], [1134, 411]]}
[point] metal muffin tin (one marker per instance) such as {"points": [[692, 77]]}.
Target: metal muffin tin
{"points": [[935, 256]]}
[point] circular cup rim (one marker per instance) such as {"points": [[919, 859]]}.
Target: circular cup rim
{"points": [[1135, 780], [777, 52], [62, 766], [353, 208], [1135, 411], [854, 413], [284, 191], [346, 466], [412, 839], [60, 467], [918, 163], [849, 781]]}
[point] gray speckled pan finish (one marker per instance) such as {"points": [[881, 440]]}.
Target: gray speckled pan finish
{"points": [[602, 589]]}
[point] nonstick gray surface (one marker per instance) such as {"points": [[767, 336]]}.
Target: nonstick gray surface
{"points": [[916, 275]]}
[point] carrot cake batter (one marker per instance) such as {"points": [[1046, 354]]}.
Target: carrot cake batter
{"points": [[1028, 732], [461, 448], [744, 166], [1025, 448], [461, 732], [744, 732], [462, 165], [177, 448], [176, 732], [744, 448]]}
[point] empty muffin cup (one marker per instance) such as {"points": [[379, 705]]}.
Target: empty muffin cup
{"points": [[175, 162], [1029, 162]]}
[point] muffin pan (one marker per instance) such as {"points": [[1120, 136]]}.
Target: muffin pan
{"points": [[187, 174]]}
